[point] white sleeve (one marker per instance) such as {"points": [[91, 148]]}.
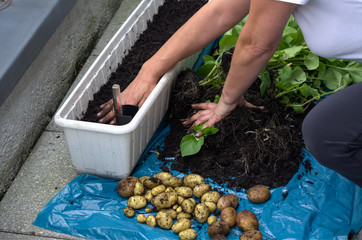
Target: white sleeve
{"points": [[299, 2]]}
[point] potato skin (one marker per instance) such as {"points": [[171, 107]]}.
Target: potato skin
{"points": [[228, 200], [258, 194], [185, 192], [137, 202], [172, 182], [251, 235], [181, 225], [151, 221], [163, 175], [157, 190], [164, 200], [188, 234], [201, 212], [183, 215], [126, 186], [218, 227], [164, 220], [228, 215], [218, 237], [212, 196], [211, 219], [211, 206], [151, 182], [128, 211], [246, 220], [191, 180], [201, 189], [141, 218], [138, 189]]}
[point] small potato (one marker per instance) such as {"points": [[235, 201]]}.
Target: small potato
{"points": [[172, 213], [180, 200], [142, 179], [164, 200], [163, 175], [169, 189], [181, 225], [141, 218], [126, 186], [179, 209], [201, 189], [138, 189], [228, 200], [151, 182], [193, 200], [183, 215], [128, 211], [188, 234], [188, 206], [192, 180], [185, 192], [151, 221], [228, 215], [201, 212], [211, 206], [211, 219], [157, 190], [137, 202], [258, 194], [172, 182], [246, 220], [148, 209], [211, 196], [165, 221], [218, 227], [148, 195], [251, 235]]}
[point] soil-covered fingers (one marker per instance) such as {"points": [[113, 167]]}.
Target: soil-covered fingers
{"points": [[106, 115]]}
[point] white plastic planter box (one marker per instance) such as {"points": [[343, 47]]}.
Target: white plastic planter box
{"points": [[108, 150]]}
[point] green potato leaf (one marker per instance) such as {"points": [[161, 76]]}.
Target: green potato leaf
{"points": [[191, 145]]}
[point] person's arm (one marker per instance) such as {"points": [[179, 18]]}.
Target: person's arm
{"points": [[209, 23], [258, 40]]}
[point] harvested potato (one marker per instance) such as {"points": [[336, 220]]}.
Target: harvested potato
{"points": [[164, 220], [251, 235], [201, 189], [172, 182], [151, 182], [212, 196], [126, 186], [218, 237], [192, 180], [201, 212], [185, 192], [246, 220], [141, 218], [138, 189], [258, 194], [188, 234], [148, 209], [181, 224], [169, 189], [188, 205], [128, 211], [163, 175], [183, 215], [172, 213], [158, 189], [228, 200], [141, 179], [137, 202], [228, 215], [211, 219], [211, 206], [180, 199], [148, 195], [164, 200], [179, 209], [218, 227], [193, 200], [151, 221]]}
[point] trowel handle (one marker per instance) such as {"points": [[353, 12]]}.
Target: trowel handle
{"points": [[117, 103]]}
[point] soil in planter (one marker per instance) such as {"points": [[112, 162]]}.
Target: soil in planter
{"points": [[171, 16], [252, 146]]}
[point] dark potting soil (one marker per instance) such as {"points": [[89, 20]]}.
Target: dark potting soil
{"points": [[170, 17], [252, 146]]}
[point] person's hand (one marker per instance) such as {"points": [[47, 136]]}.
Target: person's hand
{"points": [[211, 113], [135, 94]]}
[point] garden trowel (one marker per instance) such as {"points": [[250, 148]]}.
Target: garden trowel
{"points": [[124, 113]]}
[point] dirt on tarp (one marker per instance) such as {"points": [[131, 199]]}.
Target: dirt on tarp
{"points": [[252, 146], [170, 17]]}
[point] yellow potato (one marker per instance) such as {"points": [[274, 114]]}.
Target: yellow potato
{"points": [[137, 202], [164, 220], [164, 200], [172, 213], [163, 175], [246, 220], [143, 178], [201, 212], [148, 209], [169, 189], [139, 189], [148, 195], [251, 235], [151, 182], [128, 211], [180, 199], [218, 227], [228, 215], [211, 206], [181, 224], [211, 219], [188, 205], [141, 218], [192, 180], [157, 190], [212, 196], [188, 234], [228, 200], [185, 192], [183, 215], [151, 221], [172, 182], [258, 194], [201, 189]]}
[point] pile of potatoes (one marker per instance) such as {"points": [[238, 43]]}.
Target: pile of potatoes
{"points": [[177, 202]]}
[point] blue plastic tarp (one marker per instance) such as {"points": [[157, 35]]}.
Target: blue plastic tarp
{"points": [[316, 204]]}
